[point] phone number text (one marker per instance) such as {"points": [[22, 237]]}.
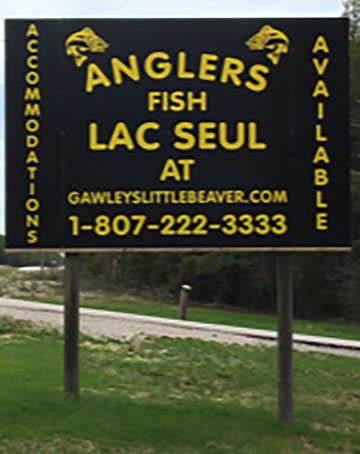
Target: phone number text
{"points": [[182, 225]]}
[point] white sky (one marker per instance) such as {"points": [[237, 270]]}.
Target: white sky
{"points": [[143, 8]]}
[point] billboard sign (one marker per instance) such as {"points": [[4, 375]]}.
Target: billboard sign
{"points": [[190, 134]]}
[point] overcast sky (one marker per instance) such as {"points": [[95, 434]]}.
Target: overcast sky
{"points": [[154, 8]]}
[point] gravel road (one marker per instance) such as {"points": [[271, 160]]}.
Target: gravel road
{"points": [[105, 324]]}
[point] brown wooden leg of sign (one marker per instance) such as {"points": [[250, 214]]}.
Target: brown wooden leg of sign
{"points": [[71, 326], [285, 315]]}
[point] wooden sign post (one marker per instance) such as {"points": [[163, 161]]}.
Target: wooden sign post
{"points": [[71, 325], [285, 315]]}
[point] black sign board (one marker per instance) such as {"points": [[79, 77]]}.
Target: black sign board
{"points": [[177, 134]]}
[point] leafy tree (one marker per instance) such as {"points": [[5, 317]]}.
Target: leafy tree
{"points": [[352, 11]]}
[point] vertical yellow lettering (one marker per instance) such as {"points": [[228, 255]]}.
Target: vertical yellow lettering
{"points": [[320, 67], [32, 31], [320, 45], [32, 158], [321, 177], [32, 220], [32, 141], [318, 134], [321, 221], [32, 204], [31, 237], [320, 111], [321, 155], [32, 110], [320, 90], [32, 94], [32, 187], [32, 172], [33, 61], [31, 46], [320, 201]]}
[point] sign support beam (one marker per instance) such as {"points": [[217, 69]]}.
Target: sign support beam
{"points": [[285, 316], [71, 326]]}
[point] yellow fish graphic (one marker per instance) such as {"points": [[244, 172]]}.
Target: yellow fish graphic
{"points": [[273, 42], [79, 44]]}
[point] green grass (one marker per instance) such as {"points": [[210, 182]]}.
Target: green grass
{"points": [[139, 306], [165, 396]]}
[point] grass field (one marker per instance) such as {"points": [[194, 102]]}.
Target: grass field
{"points": [[140, 306], [163, 396]]}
